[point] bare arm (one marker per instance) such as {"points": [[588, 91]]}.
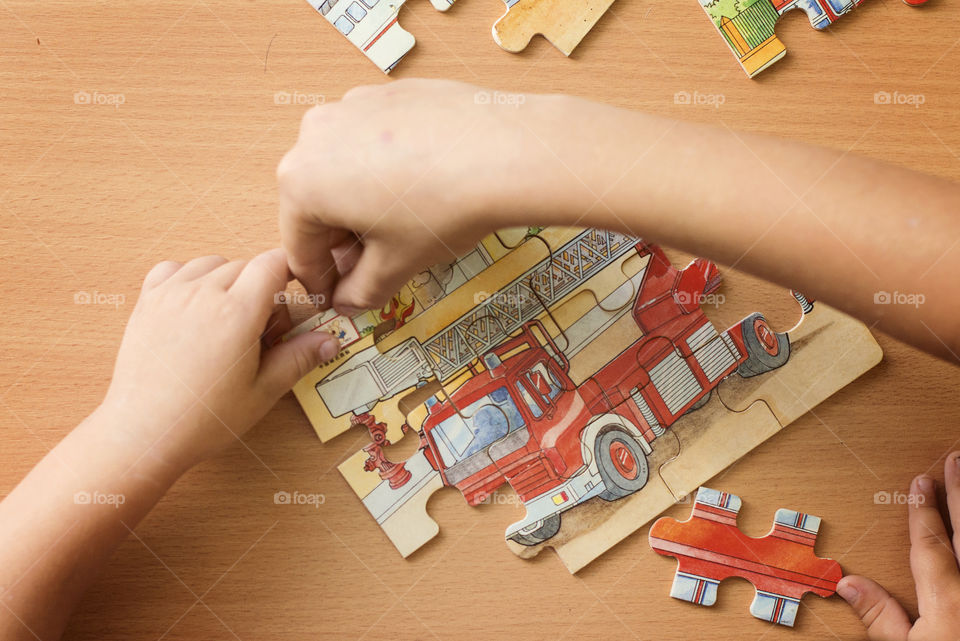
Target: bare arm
{"points": [[438, 169], [191, 377]]}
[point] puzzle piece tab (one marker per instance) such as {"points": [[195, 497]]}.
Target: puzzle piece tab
{"points": [[709, 547], [371, 25], [563, 22]]}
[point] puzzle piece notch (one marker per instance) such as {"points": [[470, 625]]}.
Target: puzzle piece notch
{"points": [[372, 27], [562, 22], [709, 547]]}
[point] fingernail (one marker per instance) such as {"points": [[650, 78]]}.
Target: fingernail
{"points": [[848, 592], [924, 492], [329, 350], [956, 460]]}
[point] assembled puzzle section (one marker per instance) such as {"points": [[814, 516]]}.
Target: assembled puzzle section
{"points": [[361, 378], [577, 366], [709, 548], [562, 22], [747, 26], [372, 26]]}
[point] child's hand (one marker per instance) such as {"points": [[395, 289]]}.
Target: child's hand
{"points": [[933, 561], [191, 375], [419, 170]]}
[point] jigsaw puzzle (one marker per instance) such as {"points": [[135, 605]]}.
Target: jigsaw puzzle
{"points": [[709, 547], [372, 27], [562, 22], [575, 365], [747, 26]]}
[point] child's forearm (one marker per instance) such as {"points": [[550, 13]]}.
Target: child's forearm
{"points": [[875, 240], [59, 526]]}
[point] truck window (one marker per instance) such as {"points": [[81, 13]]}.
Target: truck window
{"points": [[528, 399], [541, 371], [484, 421]]}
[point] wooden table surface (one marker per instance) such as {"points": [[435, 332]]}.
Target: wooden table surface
{"points": [[92, 195]]}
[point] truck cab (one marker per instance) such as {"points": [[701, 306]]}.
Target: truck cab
{"points": [[509, 422]]}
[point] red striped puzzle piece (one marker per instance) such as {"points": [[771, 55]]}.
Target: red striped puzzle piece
{"points": [[709, 547]]}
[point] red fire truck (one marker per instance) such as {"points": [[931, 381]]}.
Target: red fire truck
{"points": [[520, 418]]}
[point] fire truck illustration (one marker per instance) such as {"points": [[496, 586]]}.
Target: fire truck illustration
{"points": [[522, 420], [519, 418]]}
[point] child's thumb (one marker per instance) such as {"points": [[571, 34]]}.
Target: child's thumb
{"points": [[286, 363], [884, 618]]}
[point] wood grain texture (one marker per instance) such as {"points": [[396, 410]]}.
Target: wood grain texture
{"points": [[93, 195]]}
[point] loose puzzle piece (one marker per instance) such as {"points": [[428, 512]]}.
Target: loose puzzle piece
{"points": [[573, 366], [747, 26], [371, 25], [709, 547], [563, 22]]}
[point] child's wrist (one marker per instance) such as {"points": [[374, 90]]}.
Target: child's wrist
{"points": [[137, 441]]}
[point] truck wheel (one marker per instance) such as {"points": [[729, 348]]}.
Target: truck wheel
{"points": [[766, 349], [539, 531], [621, 463]]}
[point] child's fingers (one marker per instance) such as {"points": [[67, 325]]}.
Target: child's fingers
{"points": [[932, 559], [225, 275], [379, 273], [286, 363], [262, 279], [159, 273], [951, 473], [308, 242], [884, 618], [278, 324], [198, 267]]}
